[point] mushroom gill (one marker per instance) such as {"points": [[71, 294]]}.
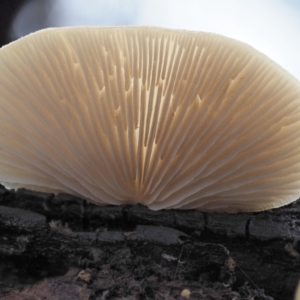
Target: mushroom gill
{"points": [[166, 118]]}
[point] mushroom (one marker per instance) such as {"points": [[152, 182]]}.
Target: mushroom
{"points": [[166, 118], [297, 292]]}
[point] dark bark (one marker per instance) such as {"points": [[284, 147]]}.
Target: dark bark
{"points": [[60, 246]]}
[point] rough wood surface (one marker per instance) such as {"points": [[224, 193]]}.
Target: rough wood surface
{"points": [[60, 247]]}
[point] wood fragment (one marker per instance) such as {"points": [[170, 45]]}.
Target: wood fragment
{"points": [[130, 251]]}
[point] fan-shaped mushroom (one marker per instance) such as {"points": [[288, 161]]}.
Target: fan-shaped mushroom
{"points": [[170, 119]]}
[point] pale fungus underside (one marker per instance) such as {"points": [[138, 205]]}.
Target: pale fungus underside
{"points": [[170, 119]]}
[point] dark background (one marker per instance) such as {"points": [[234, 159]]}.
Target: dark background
{"points": [[8, 10], [36, 14], [21, 17]]}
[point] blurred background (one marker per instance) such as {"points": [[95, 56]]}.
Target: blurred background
{"points": [[271, 26]]}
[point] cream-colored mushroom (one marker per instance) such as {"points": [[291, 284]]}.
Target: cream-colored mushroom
{"points": [[167, 118], [297, 292]]}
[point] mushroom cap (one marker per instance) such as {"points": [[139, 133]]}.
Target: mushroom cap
{"points": [[166, 118]]}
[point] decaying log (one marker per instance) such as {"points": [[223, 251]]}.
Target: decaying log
{"points": [[60, 247]]}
